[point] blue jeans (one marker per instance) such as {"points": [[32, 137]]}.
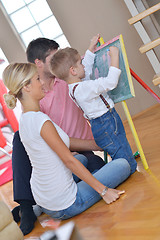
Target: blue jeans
{"points": [[109, 134], [37, 210], [95, 162], [111, 175]]}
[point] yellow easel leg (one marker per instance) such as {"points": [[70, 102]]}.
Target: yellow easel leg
{"points": [[144, 161]]}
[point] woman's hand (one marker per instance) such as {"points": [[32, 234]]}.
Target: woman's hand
{"points": [[112, 195]]}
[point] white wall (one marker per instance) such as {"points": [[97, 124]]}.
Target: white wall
{"points": [[82, 19]]}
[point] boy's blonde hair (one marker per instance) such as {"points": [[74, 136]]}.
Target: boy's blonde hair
{"points": [[15, 77], [62, 61]]}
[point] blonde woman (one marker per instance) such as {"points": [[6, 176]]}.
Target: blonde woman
{"points": [[47, 145]]}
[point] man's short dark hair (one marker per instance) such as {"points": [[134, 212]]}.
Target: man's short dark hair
{"points": [[40, 48]]}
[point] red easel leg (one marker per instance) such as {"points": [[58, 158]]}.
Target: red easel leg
{"points": [[148, 89]]}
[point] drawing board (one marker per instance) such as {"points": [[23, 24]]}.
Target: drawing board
{"points": [[124, 89]]}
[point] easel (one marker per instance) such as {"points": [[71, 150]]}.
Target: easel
{"points": [[153, 94], [135, 135], [144, 85], [148, 89], [133, 130]]}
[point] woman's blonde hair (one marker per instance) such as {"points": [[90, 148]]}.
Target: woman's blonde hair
{"points": [[15, 77]]}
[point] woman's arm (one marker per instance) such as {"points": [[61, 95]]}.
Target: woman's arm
{"points": [[52, 138]]}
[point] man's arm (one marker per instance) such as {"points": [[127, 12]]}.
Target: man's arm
{"points": [[77, 144]]}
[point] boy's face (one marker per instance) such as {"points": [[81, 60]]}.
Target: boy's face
{"points": [[79, 67]]}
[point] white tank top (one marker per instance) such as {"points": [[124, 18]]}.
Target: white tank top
{"points": [[52, 183]]}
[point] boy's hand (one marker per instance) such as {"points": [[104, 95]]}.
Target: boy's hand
{"points": [[114, 54], [93, 43], [113, 51]]}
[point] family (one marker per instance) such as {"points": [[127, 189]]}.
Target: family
{"points": [[64, 120]]}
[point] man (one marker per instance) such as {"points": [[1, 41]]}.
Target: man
{"points": [[63, 111]]}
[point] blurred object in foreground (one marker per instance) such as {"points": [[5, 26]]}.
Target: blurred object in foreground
{"points": [[2, 60]]}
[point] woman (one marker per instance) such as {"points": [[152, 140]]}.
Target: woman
{"points": [[47, 145]]}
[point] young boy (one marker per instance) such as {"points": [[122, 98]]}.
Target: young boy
{"points": [[106, 125]]}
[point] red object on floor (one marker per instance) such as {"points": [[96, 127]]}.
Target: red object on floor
{"points": [[6, 173]]}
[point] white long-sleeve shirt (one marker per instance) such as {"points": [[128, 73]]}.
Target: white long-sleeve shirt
{"points": [[87, 92]]}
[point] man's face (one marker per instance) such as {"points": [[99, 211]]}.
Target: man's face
{"points": [[45, 65]]}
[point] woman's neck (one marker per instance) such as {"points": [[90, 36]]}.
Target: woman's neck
{"points": [[31, 106], [31, 110]]}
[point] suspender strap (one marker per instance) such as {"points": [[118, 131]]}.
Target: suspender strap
{"points": [[105, 101], [73, 90], [73, 97], [101, 96]]}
